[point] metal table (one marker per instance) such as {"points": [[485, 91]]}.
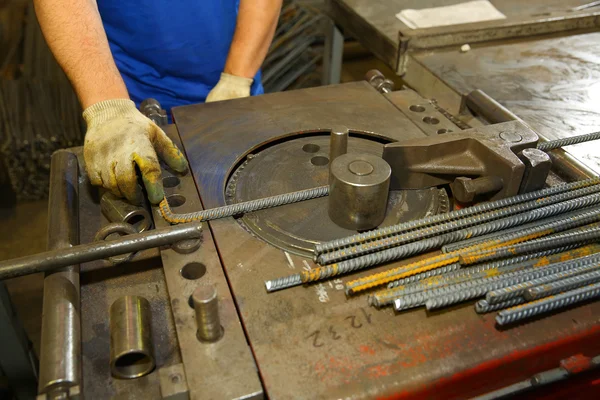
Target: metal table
{"points": [[541, 62]]}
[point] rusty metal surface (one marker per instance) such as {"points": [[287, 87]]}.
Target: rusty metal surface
{"points": [[297, 227], [313, 342], [552, 84], [225, 368], [101, 285]]}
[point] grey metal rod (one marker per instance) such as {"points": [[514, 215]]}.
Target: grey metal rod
{"points": [[60, 258], [60, 358]]}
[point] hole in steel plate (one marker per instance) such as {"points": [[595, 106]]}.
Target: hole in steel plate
{"points": [[319, 160], [443, 130], [311, 148], [176, 200], [416, 108], [431, 120], [193, 271], [171, 181]]}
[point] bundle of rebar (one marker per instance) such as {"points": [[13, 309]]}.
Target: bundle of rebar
{"points": [[529, 247], [296, 49], [39, 113]]}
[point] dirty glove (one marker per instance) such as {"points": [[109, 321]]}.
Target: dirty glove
{"points": [[230, 87], [118, 138]]}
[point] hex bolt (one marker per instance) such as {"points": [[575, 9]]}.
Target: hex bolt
{"points": [[206, 306], [529, 310], [379, 81], [466, 189]]}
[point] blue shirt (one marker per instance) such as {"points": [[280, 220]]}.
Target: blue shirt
{"points": [[173, 51]]}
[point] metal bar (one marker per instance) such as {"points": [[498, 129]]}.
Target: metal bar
{"points": [[332, 54], [60, 258], [60, 358]]}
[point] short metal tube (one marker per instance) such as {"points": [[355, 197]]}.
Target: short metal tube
{"points": [[119, 210], [131, 353], [206, 306], [60, 358], [359, 190]]}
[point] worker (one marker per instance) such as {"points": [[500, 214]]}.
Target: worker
{"points": [[117, 53]]}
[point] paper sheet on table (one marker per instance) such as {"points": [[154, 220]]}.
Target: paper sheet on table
{"points": [[464, 13]]}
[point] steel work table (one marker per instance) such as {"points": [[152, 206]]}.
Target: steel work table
{"points": [[541, 62]]}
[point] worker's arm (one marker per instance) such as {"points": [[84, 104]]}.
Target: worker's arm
{"points": [[118, 136], [256, 24]]}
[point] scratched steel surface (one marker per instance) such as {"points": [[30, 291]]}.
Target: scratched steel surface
{"points": [[313, 342], [374, 22], [553, 84]]}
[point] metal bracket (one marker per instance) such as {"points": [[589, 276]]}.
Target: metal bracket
{"points": [[489, 151]]}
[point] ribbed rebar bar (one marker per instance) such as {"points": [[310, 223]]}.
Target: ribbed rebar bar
{"points": [[447, 295], [557, 240], [386, 297], [519, 290], [562, 285], [555, 144], [283, 283], [445, 270], [441, 218], [482, 306], [436, 231], [449, 258], [547, 304], [241, 208], [472, 290], [494, 235], [473, 271]]}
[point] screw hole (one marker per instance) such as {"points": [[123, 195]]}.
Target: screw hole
{"points": [[319, 160], [311, 148], [193, 271], [170, 181], [175, 378], [431, 120], [442, 131], [176, 200], [416, 108]]}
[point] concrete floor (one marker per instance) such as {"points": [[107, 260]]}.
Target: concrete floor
{"points": [[24, 226]]}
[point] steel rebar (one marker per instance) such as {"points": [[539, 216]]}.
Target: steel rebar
{"points": [[542, 306], [442, 218], [562, 285], [558, 143]]}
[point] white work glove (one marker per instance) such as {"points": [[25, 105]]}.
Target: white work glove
{"points": [[230, 87], [118, 138]]}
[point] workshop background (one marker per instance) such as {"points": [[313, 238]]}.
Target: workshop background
{"points": [[39, 113]]}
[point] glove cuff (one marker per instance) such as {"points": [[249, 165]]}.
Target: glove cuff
{"points": [[236, 80], [108, 109]]}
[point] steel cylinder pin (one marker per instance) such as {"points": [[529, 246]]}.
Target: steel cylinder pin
{"points": [[206, 306]]}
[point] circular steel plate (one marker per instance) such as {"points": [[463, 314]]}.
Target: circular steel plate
{"points": [[303, 163]]}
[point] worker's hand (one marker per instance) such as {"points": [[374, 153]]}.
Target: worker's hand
{"points": [[118, 138], [230, 87]]}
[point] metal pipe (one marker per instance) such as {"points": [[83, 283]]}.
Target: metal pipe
{"points": [[131, 354], [206, 306], [60, 358], [119, 210], [60, 258]]}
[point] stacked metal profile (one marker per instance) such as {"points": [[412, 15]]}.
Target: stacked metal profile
{"points": [[539, 246], [296, 49], [39, 113]]}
